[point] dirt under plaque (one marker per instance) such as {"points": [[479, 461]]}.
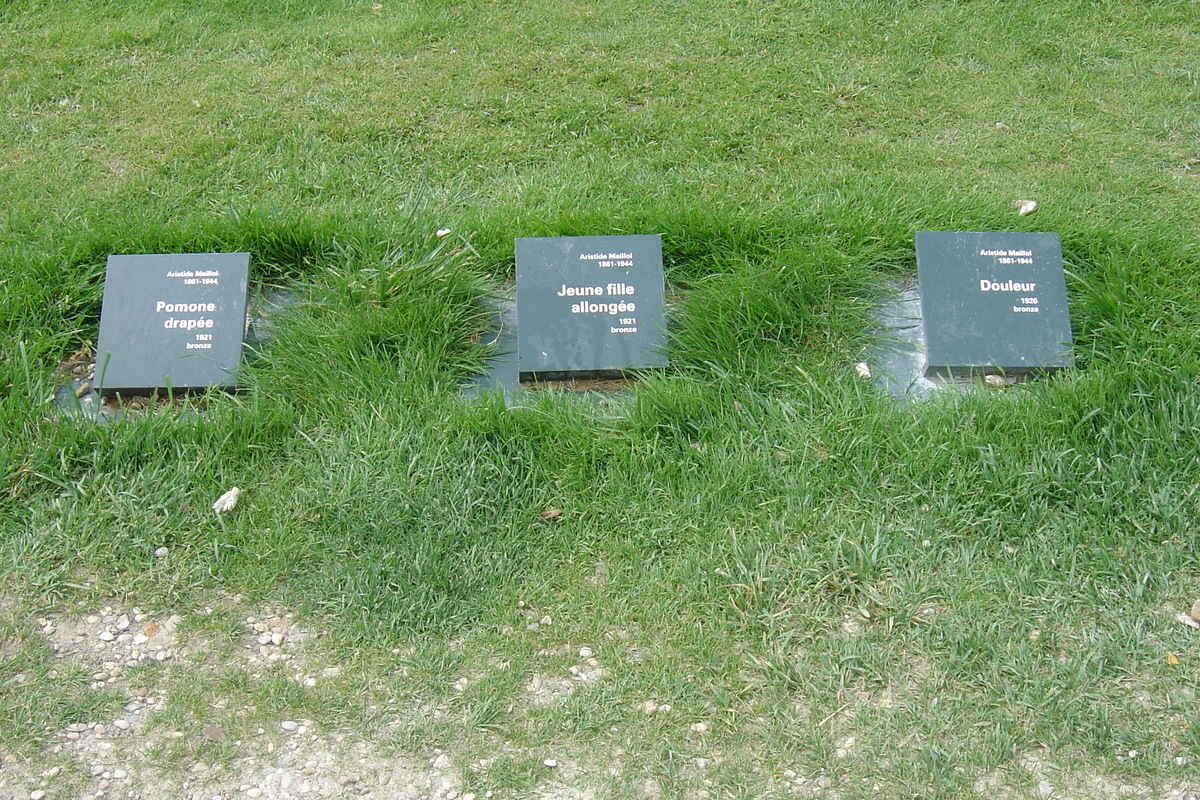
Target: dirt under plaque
{"points": [[993, 303], [589, 305], [175, 321]]}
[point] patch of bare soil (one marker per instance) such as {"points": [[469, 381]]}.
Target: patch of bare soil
{"points": [[144, 751], [150, 749]]}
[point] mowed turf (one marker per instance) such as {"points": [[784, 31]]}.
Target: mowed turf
{"points": [[842, 590]]}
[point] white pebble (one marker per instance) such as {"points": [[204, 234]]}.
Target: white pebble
{"points": [[289, 725], [228, 501], [161, 552], [585, 652], [551, 763]]}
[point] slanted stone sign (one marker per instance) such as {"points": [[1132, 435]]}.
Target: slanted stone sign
{"points": [[172, 322], [993, 303], [589, 305]]}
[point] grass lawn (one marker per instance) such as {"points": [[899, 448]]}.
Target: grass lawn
{"points": [[790, 585]]}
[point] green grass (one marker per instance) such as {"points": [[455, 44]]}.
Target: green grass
{"points": [[756, 537]]}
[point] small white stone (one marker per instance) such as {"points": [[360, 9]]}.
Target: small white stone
{"points": [[700, 727], [228, 501], [161, 552], [585, 652], [863, 369], [120, 774], [121, 724], [105, 636], [442, 762], [289, 725], [845, 746], [277, 639], [264, 639], [140, 638], [550, 762], [36, 794]]}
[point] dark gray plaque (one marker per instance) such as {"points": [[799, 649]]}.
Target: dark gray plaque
{"points": [[993, 303], [172, 321], [590, 304]]}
